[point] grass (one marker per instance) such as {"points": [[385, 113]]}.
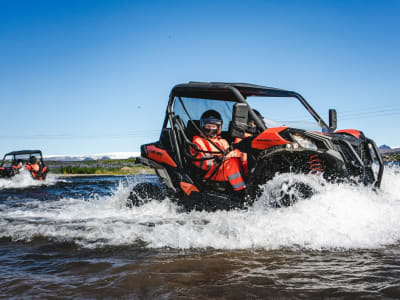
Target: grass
{"points": [[99, 167], [391, 156]]}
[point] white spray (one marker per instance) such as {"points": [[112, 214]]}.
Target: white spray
{"points": [[336, 217]]}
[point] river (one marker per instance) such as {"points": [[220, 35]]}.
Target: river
{"points": [[74, 238]]}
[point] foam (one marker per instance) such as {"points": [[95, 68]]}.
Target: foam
{"points": [[24, 179], [336, 217]]}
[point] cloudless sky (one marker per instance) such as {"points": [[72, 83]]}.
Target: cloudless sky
{"points": [[83, 77]]}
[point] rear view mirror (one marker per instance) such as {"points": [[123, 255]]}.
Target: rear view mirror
{"points": [[332, 120], [239, 120]]}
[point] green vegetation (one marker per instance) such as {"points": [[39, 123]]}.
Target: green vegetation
{"points": [[98, 167], [395, 156]]}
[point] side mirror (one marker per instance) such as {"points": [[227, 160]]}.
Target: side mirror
{"points": [[239, 120], [332, 120]]}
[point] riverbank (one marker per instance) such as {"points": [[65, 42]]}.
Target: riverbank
{"points": [[98, 168], [145, 172]]}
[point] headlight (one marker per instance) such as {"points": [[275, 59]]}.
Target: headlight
{"points": [[301, 142]]}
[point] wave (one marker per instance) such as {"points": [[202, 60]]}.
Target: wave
{"points": [[337, 216], [24, 179]]}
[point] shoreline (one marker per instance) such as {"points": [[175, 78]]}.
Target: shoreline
{"points": [[88, 175], [91, 175]]}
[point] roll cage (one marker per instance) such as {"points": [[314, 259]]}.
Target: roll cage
{"points": [[14, 155], [237, 92]]}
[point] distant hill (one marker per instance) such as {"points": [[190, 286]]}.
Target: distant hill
{"points": [[100, 156], [386, 149]]}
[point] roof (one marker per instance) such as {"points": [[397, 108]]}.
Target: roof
{"points": [[24, 152], [230, 91], [223, 90]]}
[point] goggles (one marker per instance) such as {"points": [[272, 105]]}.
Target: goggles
{"points": [[211, 132], [210, 120]]}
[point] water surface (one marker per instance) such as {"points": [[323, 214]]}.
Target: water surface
{"points": [[75, 237]]}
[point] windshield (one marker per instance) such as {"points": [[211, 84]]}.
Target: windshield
{"points": [[279, 111], [196, 107], [9, 159]]}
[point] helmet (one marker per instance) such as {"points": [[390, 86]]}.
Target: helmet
{"points": [[33, 159], [210, 118], [250, 118], [251, 124]]}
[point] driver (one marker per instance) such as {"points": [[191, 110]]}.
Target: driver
{"points": [[17, 164], [219, 167], [33, 166]]}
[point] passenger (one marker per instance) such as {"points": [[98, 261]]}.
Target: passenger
{"points": [[17, 164], [33, 166], [251, 129], [251, 125], [219, 167]]}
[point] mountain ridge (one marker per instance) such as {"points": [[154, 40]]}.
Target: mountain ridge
{"points": [[387, 149], [125, 155], [98, 156]]}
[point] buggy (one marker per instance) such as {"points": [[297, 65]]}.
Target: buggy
{"points": [[288, 139], [13, 162]]}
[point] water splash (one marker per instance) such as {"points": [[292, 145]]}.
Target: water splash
{"points": [[24, 179], [337, 216]]}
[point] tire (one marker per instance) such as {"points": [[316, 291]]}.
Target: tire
{"points": [[145, 192], [273, 161], [291, 193]]}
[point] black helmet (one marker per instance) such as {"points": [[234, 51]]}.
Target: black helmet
{"points": [[33, 159], [211, 117], [251, 123], [250, 118]]}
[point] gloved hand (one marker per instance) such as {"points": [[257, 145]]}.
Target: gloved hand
{"points": [[244, 145], [218, 159], [235, 146]]}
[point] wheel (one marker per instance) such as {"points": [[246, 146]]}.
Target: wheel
{"points": [[281, 191], [291, 193], [145, 192]]}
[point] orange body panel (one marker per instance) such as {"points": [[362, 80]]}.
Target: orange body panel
{"points": [[269, 138], [188, 188], [159, 155], [352, 132]]}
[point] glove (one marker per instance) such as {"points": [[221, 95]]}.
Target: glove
{"points": [[235, 145], [244, 145], [229, 149], [218, 159]]}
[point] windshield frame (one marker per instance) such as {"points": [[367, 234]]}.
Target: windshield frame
{"points": [[14, 155], [227, 91], [235, 92]]}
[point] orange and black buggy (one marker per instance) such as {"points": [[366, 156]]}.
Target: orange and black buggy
{"points": [[289, 137], [31, 160]]}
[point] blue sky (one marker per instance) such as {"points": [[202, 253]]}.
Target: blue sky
{"points": [[82, 77]]}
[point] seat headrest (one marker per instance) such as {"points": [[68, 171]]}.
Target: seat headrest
{"points": [[190, 130]]}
